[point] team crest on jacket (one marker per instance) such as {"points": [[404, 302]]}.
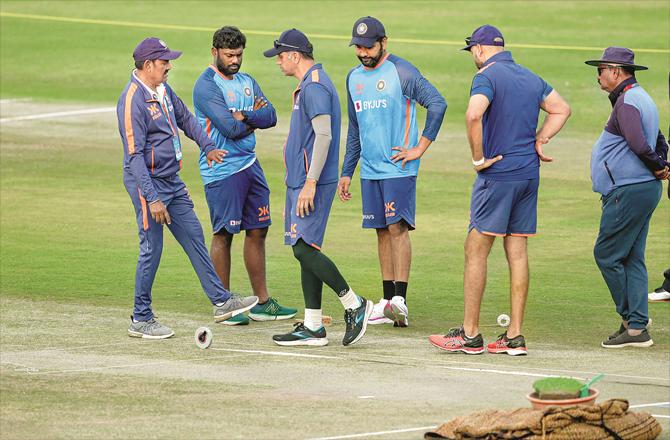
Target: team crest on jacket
{"points": [[247, 91], [381, 84], [361, 29]]}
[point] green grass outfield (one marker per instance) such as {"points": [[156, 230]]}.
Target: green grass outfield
{"points": [[68, 237]]}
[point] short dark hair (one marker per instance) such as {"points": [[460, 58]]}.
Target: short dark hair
{"points": [[310, 55], [139, 65], [629, 70], [229, 37]]}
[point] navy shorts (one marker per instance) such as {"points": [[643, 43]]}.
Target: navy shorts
{"points": [[240, 201], [312, 227], [388, 201], [501, 207]]}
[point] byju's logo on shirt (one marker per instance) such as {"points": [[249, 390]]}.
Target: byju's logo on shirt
{"points": [[369, 104]]}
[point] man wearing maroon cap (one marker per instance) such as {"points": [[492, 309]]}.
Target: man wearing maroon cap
{"points": [[149, 113], [627, 163]]}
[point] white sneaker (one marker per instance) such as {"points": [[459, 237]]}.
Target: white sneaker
{"points": [[396, 310], [377, 316], [659, 294]]}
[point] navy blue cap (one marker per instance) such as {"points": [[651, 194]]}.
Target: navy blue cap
{"points": [[289, 41], [486, 35], [366, 31], [617, 56], [154, 49]]}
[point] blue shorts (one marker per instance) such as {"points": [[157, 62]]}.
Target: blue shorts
{"points": [[388, 201], [240, 201], [507, 207], [312, 227]]}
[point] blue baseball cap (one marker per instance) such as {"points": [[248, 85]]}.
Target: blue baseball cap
{"points": [[366, 31], [154, 49], [486, 35], [290, 41]]}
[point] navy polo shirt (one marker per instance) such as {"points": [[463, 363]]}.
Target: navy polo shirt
{"points": [[315, 95], [510, 122]]}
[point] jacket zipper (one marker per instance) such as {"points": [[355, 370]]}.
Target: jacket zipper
{"points": [[609, 173], [152, 159]]}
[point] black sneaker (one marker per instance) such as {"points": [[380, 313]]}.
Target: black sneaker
{"points": [[617, 333], [626, 340], [513, 347], [301, 335], [356, 321], [456, 341]]}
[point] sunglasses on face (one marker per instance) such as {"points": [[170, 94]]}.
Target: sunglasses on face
{"points": [[600, 69], [277, 45], [469, 41]]}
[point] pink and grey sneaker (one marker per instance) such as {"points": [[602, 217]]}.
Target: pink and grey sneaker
{"points": [[513, 347], [456, 341], [377, 316]]}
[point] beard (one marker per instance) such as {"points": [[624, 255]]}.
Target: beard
{"points": [[371, 61], [229, 70]]}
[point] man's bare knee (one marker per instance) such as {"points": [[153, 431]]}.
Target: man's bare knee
{"points": [[398, 229]]}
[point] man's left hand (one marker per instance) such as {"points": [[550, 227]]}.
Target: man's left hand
{"points": [[663, 174], [216, 156], [238, 116], [538, 148], [406, 154], [306, 198]]}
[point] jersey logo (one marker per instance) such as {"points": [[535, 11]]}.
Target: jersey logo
{"points": [[361, 29], [153, 109], [263, 213], [247, 91], [381, 85], [359, 89], [231, 95], [369, 104], [389, 207]]}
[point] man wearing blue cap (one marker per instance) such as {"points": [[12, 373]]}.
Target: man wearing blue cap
{"points": [[383, 133], [627, 163], [311, 155], [230, 106], [149, 113], [502, 119]]}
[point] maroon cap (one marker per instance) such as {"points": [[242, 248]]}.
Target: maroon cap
{"points": [[154, 49]]}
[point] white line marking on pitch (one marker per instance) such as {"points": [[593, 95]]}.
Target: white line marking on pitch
{"points": [[58, 114], [650, 404], [366, 397], [507, 372], [278, 353], [370, 434], [661, 416]]}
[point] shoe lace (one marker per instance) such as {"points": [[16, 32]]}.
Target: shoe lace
{"points": [[455, 331], [272, 306], [349, 318], [299, 326]]}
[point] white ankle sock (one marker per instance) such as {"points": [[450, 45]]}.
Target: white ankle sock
{"points": [[350, 300], [313, 319]]}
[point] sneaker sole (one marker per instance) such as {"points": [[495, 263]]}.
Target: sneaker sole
{"points": [[315, 342], [377, 321], [458, 350], [400, 316], [368, 312], [229, 315], [263, 317], [645, 344], [510, 351], [134, 334], [229, 322]]}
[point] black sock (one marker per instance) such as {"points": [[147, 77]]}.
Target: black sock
{"points": [[389, 289], [401, 289]]}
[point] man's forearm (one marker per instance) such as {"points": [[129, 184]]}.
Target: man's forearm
{"points": [[553, 123], [475, 131]]}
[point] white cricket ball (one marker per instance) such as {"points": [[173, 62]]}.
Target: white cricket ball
{"points": [[503, 320], [203, 337]]}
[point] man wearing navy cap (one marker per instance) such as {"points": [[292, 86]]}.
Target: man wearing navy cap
{"points": [[501, 119], [383, 133], [231, 106], [311, 155], [627, 163], [149, 113]]}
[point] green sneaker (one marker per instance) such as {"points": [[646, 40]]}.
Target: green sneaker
{"points": [[240, 319], [271, 311]]}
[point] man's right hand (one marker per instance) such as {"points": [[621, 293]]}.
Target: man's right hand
{"points": [[343, 188], [159, 213], [663, 174], [488, 162], [216, 156]]}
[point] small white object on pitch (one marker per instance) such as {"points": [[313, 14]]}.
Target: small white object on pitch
{"points": [[503, 320], [203, 337]]}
